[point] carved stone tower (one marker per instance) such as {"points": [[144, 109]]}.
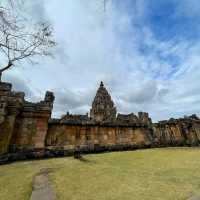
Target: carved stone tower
{"points": [[103, 108]]}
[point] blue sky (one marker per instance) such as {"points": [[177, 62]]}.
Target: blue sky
{"points": [[146, 52]]}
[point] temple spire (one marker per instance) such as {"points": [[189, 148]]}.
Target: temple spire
{"points": [[103, 108]]}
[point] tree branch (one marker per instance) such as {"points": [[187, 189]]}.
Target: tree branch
{"points": [[8, 66], [20, 40]]}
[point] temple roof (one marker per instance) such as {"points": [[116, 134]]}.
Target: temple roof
{"points": [[102, 96], [103, 105]]}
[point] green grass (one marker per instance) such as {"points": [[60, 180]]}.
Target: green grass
{"points": [[156, 174]]}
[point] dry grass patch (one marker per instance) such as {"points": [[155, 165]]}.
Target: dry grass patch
{"points": [[147, 175], [156, 174]]}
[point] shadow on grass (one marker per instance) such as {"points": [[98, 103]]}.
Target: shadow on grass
{"points": [[85, 160]]}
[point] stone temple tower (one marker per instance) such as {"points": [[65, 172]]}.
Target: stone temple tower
{"points": [[103, 108]]}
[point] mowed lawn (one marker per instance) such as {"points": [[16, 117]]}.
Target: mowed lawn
{"points": [[155, 174]]}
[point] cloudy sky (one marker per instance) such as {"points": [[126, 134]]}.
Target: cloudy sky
{"points": [[147, 52]]}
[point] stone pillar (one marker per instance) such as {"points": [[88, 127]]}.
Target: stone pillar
{"points": [[32, 124], [10, 105], [6, 131]]}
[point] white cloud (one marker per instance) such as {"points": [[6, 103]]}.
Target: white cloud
{"points": [[95, 46]]}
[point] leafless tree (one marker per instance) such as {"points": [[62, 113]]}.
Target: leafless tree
{"points": [[105, 3], [21, 40]]}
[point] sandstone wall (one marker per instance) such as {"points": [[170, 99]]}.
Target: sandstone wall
{"points": [[92, 136], [31, 125], [181, 132], [26, 128], [10, 106], [185, 131], [23, 125], [29, 134], [6, 133]]}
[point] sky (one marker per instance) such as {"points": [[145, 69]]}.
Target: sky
{"points": [[145, 51]]}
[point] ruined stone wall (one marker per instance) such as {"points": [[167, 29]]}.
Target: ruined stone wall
{"points": [[10, 106], [94, 136], [185, 131], [23, 125], [6, 133], [32, 124], [27, 128], [29, 133], [180, 132]]}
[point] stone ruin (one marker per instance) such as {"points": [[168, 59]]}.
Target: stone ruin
{"points": [[22, 123], [27, 130], [103, 108]]}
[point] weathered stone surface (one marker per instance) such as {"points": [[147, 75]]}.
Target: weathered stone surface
{"points": [[69, 136], [27, 130], [184, 131], [10, 106], [75, 119], [103, 107], [22, 124]]}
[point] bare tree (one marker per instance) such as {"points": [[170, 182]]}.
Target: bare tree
{"points": [[21, 40], [105, 3]]}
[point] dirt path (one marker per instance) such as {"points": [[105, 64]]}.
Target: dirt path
{"points": [[42, 190]]}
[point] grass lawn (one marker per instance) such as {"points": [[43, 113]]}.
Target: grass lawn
{"points": [[155, 174]]}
